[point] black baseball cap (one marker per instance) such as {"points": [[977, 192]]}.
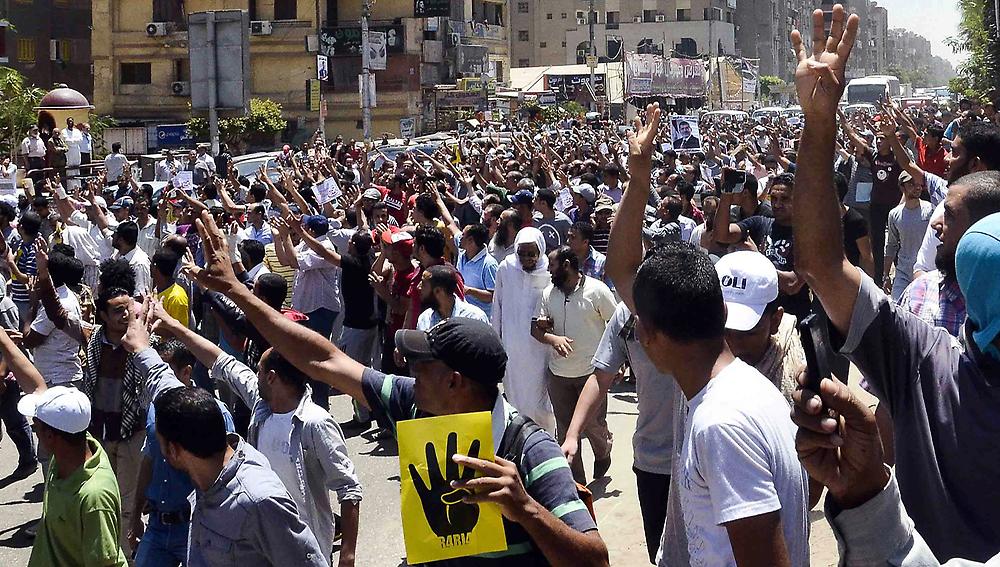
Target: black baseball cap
{"points": [[465, 345]]}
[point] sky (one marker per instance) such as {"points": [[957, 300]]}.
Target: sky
{"points": [[934, 19]]}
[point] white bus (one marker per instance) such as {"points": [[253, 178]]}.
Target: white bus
{"points": [[872, 89]]}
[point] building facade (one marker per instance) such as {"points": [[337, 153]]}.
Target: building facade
{"points": [[48, 50], [558, 32], [763, 28], [141, 68]]}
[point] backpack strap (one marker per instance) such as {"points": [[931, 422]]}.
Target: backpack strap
{"points": [[515, 435]]}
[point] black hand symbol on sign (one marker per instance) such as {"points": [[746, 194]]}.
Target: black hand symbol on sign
{"points": [[446, 513]]}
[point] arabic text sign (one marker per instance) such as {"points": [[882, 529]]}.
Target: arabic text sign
{"points": [[654, 75], [437, 523]]}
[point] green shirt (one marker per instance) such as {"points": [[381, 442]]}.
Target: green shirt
{"points": [[81, 516]]}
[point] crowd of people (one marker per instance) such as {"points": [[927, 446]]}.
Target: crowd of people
{"points": [[524, 271]]}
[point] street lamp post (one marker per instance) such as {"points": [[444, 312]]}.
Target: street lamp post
{"points": [[366, 109]]}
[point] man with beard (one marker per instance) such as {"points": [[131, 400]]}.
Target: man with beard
{"points": [[439, 297], [501, 245], [571, 318], [521, 279], [941, 391], [976, 148]]}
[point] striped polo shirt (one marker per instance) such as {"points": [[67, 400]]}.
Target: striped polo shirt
{"points": [[543, 470]]}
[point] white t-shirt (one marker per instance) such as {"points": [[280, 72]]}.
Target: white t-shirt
{"points": [[56, 357], [739, 461], [275, 442]]}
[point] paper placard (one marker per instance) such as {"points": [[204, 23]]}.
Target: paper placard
{"points": [[326, 191], [685, 134], [8, 187], [184, 180], [437, 524], [863, 194]]}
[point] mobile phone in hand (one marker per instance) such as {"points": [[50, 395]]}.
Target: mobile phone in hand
{"points": [[814, 343]]}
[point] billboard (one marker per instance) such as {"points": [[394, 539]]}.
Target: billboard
{"points": [[654, 75], [346, 40], [472, 59]]}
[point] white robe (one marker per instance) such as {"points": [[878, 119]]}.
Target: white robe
{"points": [[515, 298]]}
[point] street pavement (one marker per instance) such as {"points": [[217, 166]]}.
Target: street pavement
{"points": [[381, 536]]}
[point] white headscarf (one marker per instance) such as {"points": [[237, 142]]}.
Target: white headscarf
{"points": [[534, 236]]}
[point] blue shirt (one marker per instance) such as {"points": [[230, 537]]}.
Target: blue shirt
{"points": [[480, 273], [169, 488], [431, 317], [593, 267]]}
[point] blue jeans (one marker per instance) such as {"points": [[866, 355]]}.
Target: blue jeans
{"points": [[359, 345], [163, 546], [16, 424], [321, 321]]}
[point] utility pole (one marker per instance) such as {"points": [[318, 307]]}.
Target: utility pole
{"points": [[213, 77], [593, 51], [319, 33], [366, 97]]}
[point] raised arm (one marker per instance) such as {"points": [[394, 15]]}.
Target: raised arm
{"points": [[27, 376], [899, 152], [852, 134], [309, 351], [625, 239], [818, 233]]}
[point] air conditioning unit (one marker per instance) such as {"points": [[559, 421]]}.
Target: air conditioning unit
{"points": [[581, 21], [180, 88], [660, 18], [637, 19], [260, 27], [154, 29]]}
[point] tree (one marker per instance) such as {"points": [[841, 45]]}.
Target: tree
{"points": [[977, 36], [17, 111], [256, 127]]}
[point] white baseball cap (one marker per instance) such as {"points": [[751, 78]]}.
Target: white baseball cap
{"points": [[749, 282], [61, 407]]}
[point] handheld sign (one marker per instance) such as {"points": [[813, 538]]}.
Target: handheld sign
{"points": [[184, 180], [437, 523], [326, 191]]}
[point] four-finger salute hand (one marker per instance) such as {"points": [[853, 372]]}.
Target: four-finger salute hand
{"points": [[819, 77], [838, 442], [218, 273], [444, 504]]}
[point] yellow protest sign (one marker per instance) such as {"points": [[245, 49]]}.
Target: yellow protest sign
{"points": [[437, 524]]}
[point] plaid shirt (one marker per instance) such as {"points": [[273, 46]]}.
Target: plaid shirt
{"points": [[937, 301]]}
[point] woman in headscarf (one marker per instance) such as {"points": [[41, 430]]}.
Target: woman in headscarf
{"points": [[520, 280]]}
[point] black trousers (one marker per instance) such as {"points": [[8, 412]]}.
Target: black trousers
{"points": [[878, 217], [653, 491]]}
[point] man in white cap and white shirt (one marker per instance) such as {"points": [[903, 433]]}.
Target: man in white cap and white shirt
{"points": [[758, 330], [81, 510]]}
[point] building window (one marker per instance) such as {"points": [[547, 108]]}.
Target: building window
{"points": [[522, 7], [548, 16], [3, 41], [542, 45], [649, 15], [26, 49], [523, 63], [136, 74], [563, 15], [564, 43], [612, 17], [684, 15], [61, 50], [285, 9], [522, 35]]}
